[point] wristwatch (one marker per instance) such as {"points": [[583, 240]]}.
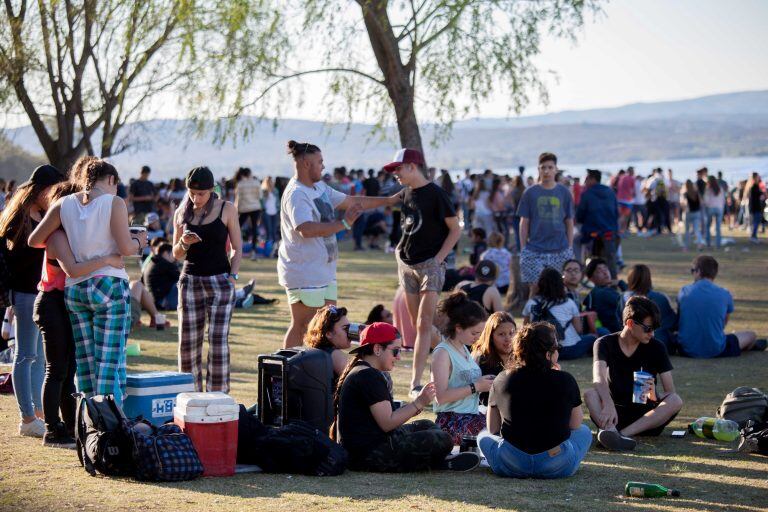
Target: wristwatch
{"points": [[234, 276], [472, 387]]}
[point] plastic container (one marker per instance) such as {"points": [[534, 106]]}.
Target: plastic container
{"points": [[210, 420], [153, 394]]}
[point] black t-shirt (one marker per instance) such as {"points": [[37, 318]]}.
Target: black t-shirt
{"points": [[160, 276], [25, 263], [423, 223], [535, 407], [358, 430], [488, 369], [372, 187], [141, 188], [651, 358]]}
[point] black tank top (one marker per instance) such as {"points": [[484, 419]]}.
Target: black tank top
{"points": [[694, 204], [476, 292], [209, 257]]}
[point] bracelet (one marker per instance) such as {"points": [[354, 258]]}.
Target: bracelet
{"points": [[346, 224], [183, 246], [418, 411], [472, 388]]}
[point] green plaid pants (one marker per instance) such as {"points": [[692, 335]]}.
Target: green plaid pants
{"points": [[100, 312]]}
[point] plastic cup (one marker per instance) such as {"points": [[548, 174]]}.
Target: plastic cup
{"points": [[639, 394], [133, 349], [135, 230]]}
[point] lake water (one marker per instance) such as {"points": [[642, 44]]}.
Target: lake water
{"points": [[734, 169]]}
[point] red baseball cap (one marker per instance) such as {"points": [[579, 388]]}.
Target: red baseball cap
{"points": [[377, 333], [405, 156]]}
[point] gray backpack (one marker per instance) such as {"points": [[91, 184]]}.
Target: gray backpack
{"points": [[744, 404]]}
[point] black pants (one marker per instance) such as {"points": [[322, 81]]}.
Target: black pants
{"points": [[254, 216], [50, 315]]}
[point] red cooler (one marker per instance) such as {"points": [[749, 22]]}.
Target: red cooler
{"points": [[210, 421]]}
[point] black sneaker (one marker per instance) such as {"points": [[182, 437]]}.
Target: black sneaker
{"points": [[614, 441], [760, 344], [58, 438], [464, 461]]}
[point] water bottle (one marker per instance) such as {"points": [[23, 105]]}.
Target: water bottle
{"points": [[714, 428], [643, 490]]}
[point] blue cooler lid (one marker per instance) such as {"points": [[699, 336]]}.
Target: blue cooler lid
{"points": [[155, 379]]}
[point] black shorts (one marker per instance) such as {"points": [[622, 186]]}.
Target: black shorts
{"points": [[630, 413]]}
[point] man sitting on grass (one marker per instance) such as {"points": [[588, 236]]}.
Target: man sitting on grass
{"points": [[604, 299], [704, 309], [616, 357]]}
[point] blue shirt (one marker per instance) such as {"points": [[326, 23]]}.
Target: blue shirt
{"points": [[547, 211], [703, 308]]}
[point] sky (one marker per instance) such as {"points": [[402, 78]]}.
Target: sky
{"points": [[633, 51]]}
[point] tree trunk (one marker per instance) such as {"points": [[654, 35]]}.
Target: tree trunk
{"points": [[397, 77]]}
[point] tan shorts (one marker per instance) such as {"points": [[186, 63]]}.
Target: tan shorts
{"points": [[427, 276]]}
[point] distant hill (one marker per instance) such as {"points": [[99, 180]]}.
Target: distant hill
{"points": [[721, 126], [16, 163]]}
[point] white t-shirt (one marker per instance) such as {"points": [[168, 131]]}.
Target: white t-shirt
{"points": [[639, 195], [564, 314], [307, 262]]}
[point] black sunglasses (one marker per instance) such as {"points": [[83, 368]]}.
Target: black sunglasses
{"points": [[646, 329], [395, 351]]}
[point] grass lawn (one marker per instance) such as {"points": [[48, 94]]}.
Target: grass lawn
{"points": [[708, 476]]}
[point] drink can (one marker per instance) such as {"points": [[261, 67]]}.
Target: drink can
{"points": [[135, 230], [354, 331], [639, 395], [468, 444]]}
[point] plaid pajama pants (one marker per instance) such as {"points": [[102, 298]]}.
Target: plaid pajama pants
{"points": [[214, 297], [100, 311]]}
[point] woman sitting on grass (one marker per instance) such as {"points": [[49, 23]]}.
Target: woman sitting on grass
{"points": [[458, 378], [494, 347], [375, 433], [328, 331], [534, 412], [552, 301], [639, 281]]}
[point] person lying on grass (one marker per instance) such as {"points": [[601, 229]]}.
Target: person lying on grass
{"points": [[616, 357], [369, 427]]}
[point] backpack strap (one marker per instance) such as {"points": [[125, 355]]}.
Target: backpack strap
{"points": [[82, 454]]}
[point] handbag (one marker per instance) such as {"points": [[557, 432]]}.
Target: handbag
{"points": [[164, 453]]}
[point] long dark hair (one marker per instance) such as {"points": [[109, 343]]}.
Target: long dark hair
{"points": [[639, 279], [242, 172], [375, 314], [15, 220], [365, 350], [484, 346], [531, 345]]}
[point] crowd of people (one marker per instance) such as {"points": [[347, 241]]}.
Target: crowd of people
{"points": [[65, 237]]}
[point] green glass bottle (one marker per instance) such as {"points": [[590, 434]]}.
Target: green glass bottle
{"points": [[643, 490]]}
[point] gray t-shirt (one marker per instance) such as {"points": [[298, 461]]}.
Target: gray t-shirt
{"points": [[307, 262], [547, 211]]}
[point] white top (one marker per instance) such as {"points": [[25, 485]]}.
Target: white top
{"points": [[307, 262], [564, 313], [89, 233], [248, 195], [270, 203], [639, 196], [481, 203], [714, 201]]}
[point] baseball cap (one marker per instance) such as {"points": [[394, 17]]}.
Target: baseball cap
{"points": [[377, 333], [405, 156], [44, 176], [486, 270], [150, 218]]}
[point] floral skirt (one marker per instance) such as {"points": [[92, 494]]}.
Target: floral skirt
{"points": [[459, 425]]}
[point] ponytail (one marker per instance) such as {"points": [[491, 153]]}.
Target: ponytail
{"points": [[332, 432]]}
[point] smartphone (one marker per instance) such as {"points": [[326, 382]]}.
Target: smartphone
{"points": [[678, 433], [193, 234]]}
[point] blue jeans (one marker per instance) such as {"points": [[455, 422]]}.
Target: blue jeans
{"points": [[757, 217], [506, 460], [715, 214], [270, 226], [693, 225], [582, 348], [29, 359], [170, 301]]}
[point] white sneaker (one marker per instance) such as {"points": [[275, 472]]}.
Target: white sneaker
{"points": [[35, 428]]}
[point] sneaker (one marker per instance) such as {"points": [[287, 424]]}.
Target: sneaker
{"points": [[247, 301], [59, 438], [614, 441], [35, 428], [249, 286], [464, 461], [760, 344], [414, 394]]}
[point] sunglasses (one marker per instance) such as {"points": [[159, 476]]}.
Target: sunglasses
{"points": [[646, 329], [395, 351]]}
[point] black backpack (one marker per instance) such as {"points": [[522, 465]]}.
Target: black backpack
{"points": [[102, 444], [541, 312], [744, 404], [297, 447], [754, 438]]}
